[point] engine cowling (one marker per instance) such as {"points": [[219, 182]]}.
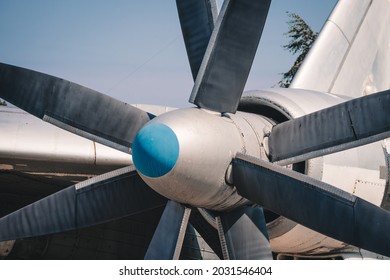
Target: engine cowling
{"points": [[357, 170], [186, 154]]}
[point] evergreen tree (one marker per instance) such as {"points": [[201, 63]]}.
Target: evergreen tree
{"points": [[3, 103], [302, 38]]}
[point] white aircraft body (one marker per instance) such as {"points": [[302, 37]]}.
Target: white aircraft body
{"points": [[301, 172]]}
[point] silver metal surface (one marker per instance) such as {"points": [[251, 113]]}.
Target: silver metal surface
{"points": [[203, 147], [28, 144]]}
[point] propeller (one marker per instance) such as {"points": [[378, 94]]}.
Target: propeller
{"points": [[354, 123], [220, 79], [100, 199], [168, 238], [243, 234], [197, 18], [312, 203], [229, 55], [72, 107]]}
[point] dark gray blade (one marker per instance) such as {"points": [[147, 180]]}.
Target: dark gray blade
{"points": [[168, 238], [72, 107], [344, 126], [101, 199], [205, 224], [314, 204], [243, 234], [229, 55], [197, 18]]}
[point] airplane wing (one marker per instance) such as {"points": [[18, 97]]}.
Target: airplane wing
{"points": [[350, 56]]}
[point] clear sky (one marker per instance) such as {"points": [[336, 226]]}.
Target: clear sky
{"points": [[131, 49]]}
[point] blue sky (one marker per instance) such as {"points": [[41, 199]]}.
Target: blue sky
{"points": [[131, 50]]}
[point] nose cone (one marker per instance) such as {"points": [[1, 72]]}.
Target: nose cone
{"points": [[155, 150]]}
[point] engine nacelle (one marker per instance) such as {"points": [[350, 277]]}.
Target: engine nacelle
{"points": [[187, 161], [186, 156], [360, 167]]}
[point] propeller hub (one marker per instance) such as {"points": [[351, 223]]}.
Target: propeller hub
{"points": [[155, 150], [183, 159]]}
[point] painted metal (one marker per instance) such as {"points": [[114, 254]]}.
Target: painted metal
{"points": [[243, 234], [222, 76], [168, 239], [202, 174], [351, 56], [100, 199], [202, 139], [72, 107], [155, 150], [320, 206], [284, 104], [197, 20], [344, 126], [28, 144]]}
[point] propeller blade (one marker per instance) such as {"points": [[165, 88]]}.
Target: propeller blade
{"points": [[314, 204], [72, 107], [229, 55], [347, 125], [205, 224], [100, 199], [197, 18], [243, 234], [168, 238]]}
